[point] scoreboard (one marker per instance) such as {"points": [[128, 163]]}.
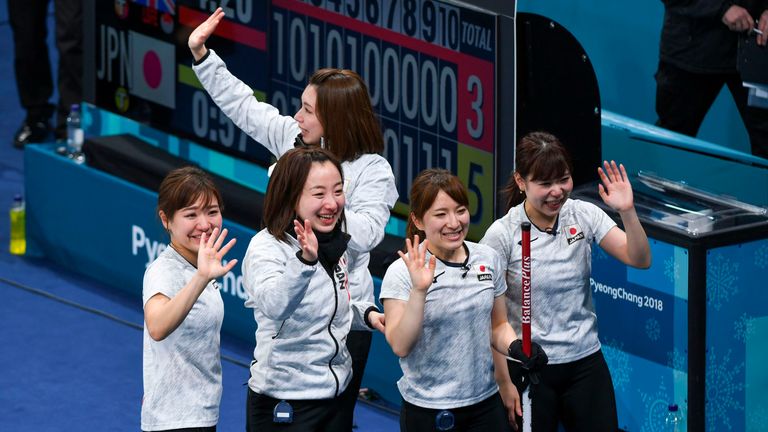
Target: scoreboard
{"points": [[430, 67]]}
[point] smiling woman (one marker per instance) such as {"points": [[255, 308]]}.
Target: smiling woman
{"points": [[183, 309], [335, 114], [577, 382], [296, 275], [463, 282]]}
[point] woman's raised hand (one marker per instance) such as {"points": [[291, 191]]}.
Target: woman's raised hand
{"points": [[210, 255], [421, 275], [615, 190], [196, 41], [307, 240]]}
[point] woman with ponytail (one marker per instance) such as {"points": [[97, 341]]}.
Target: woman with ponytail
{"points": [[575, 387]]}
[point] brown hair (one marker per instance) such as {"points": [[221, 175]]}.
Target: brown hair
{"points": [[541, 156], [350, 126], [182, 187], [424, 190], [287, 184]]}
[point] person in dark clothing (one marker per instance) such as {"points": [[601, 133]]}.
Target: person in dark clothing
{"points": [[33, 68], [697, 56]]}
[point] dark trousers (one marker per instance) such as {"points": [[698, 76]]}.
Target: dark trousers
{"points": [[578, 394], [31, 61], [358, 344], [683, 99], [488, 415], [308, 415]]}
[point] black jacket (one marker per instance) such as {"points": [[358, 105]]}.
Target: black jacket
{"points": [[694, 37]]}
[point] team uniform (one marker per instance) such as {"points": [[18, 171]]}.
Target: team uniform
{"points": [[450, 367], [304, 312], [182, 373], [563, 321], [369, 186]]}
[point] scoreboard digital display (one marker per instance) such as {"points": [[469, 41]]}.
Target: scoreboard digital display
{"points": [[429, 66], [143, 66]]}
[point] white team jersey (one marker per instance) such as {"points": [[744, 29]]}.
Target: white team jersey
{"points": [[182, 373], [451, 364], [563, 315]]}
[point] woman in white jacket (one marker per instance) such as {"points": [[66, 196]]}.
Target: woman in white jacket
{"points": [[296, 275], [336, 113]]}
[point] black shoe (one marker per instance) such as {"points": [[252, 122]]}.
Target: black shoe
{"points": [[31, 132]]}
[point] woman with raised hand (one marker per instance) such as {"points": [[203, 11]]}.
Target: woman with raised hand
{"points": [[295, 273], [575, 388], [335, 114], [444, 302], [183, 309]]}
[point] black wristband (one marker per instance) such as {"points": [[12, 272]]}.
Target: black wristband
{"points": [[366, 313], [202, 59], [301, 258]]}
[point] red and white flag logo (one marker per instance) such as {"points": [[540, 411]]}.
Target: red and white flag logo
{"points": [[152, 70]]}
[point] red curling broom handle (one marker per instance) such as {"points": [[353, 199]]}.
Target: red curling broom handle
{"points": [[526, 287]]}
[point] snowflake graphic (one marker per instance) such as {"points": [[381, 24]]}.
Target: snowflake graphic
{"points": [[671, 269], [655, 408], [652, 329], [756, 420], [761, 256], [743, 328], [618, 364], [722, 275], [723, 390], [677, 360]]}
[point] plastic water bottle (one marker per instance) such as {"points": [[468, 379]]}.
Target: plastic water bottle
{"points": [[75, 136], [18, 244], [675, 422]]}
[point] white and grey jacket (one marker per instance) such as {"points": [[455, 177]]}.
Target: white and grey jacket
{"points": [[303, 318], [369, 185]]}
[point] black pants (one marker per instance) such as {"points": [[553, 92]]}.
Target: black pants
{"points": [[578, 394], [488, 415], [31, 61], [683, 99], [358, 344], [308, 415]]}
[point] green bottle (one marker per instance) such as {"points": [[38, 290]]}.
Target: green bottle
{"points": [[18, 235]]}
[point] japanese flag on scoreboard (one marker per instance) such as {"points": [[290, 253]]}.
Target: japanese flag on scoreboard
{"points": [[167, 6], [152, 70]]}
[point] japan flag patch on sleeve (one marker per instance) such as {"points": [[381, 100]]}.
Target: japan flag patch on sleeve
{"points": [[573, 233], [484, 273]]}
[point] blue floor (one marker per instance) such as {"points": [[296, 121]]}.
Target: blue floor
{"points": [[70, 356]]}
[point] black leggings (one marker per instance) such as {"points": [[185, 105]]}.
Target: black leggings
{"points": [[488, 415], [578, 394], [358, 344]]}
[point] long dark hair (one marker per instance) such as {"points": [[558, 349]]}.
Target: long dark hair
{"points": [[287, 184], [539, 155], [424, 190], [350, 125]]}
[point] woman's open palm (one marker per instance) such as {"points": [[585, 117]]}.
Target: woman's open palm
{"points": [[200, 35], [421, 275]]}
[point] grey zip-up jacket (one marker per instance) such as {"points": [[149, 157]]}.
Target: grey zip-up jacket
{"points": [[369, 185], [303, 318]]}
